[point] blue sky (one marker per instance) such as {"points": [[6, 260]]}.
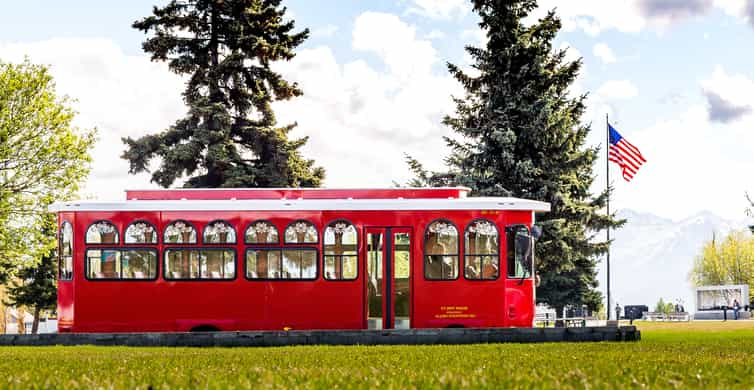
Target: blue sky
{"points": [[675, 77]]}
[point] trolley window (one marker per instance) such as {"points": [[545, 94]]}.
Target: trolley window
{"points": [[219, 232], [180, 232], [441, 251], [65, 251], [301, 232], [261, 232], [140, 232], [519, 251], [200, 264], [285, 264], [481, 257], [340, 251], [102, 232], [116, 264]]}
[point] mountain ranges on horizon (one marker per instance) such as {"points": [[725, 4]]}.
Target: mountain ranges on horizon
{"points": [[651, 256]]}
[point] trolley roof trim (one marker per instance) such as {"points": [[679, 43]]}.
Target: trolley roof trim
{"points": [[298, 193], [480, 203]]}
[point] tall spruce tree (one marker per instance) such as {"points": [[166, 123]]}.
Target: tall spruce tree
{"points": [[519, 133], [230, 136]]}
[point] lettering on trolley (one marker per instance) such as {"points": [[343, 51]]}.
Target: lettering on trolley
{"points": [[447, 312]]}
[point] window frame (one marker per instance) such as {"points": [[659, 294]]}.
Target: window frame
{"points": [[509, 261], [154, 227], [267, 221], [118, 241], [199, 249], [61, 256], [425, 255], [317, 232], [357, 255], [280, 249], [121, 250], [165, 230], [481, 265], [204, 231]]}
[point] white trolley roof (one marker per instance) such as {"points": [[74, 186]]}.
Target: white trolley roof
{"points": [[480, 203]]}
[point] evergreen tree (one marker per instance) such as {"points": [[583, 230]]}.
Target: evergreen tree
{"points": [[37, 289], [230, 136], [519, 133]]}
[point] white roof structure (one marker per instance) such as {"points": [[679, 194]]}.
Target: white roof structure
{"points": [[481, 203]]}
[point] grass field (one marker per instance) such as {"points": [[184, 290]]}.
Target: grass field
{"points": [[698, 354]]}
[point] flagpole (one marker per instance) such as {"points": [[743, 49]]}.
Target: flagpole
{"points": [[607, 187]]}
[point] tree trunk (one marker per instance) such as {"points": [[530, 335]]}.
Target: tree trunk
{"points": [[214, 173], [35, 324], [20, 314], [3, 312]]}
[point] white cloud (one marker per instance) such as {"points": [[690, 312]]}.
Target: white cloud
{"points": [[395, 42], [439, 9], [120, 95], [729, 97], [361, 119], [596, 16], [617, 90], [736, 88], [732, 7], [435, 34], [325, 31], [604, 53]]}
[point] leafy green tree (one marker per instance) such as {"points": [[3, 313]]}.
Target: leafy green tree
{"points": [[728, 262], [660, 306], [43, 158], [35, 286], [519, 133], [230, 137]]}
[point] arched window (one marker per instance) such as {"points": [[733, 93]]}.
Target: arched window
{"points": [[341, 256], [261, 232], [65, 261], [180, 232], [140, 232], [301, 232], [102, 232], [481, 253], [219, 232], [441, 251]]}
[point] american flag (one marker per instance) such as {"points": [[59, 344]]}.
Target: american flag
{"points": [[624, 154]]}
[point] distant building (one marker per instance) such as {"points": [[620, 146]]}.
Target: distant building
{"points": [[710, 301]]}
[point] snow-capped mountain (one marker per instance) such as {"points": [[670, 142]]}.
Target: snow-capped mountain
{"points": [[651, 256]]}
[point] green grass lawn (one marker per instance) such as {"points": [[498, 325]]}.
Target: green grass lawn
{"points": [[699, 354]]}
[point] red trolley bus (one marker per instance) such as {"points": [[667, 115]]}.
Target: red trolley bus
{"points": [[271, 259]]}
